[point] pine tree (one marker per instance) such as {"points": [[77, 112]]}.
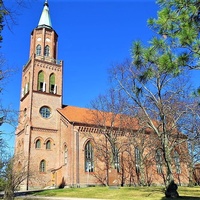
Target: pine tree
{"points": [[178, 22]]}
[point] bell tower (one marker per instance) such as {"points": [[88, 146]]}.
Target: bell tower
{"points": [[41, 96]]}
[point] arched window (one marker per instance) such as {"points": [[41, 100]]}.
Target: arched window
{"points": [[89, 163], [177, 162], [25, 112], [42, 166], [46, 50], [41, 83], [159, 160], [38, 50], [52, 86], [38, 144], [19, 166], [137, 160], [65, 154], [48, 144], [26, 88], [116, 158]]}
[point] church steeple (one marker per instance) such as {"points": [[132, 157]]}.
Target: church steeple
{"points": [[41, 96], [45, 20], [44, 37]]}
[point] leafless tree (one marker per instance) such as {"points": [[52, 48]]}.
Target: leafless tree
{"points": [[110, 141], [160, 99], [13, 179], [8, 115], [120, 135], [190, 125]]}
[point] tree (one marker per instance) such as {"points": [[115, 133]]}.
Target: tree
{"points": [[3, 162], [190, 125], [178, 22], [158, 92], [14, 174], [122, 125], [106, 117], [7, 114]]}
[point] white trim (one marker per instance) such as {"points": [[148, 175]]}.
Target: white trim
{"points": [[44, 87], [22, 92], [55, 89]]}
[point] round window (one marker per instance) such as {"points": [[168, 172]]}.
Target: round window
{"points": [[45, 112]]}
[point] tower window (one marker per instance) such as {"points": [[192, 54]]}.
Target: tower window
{"points": [[45, 112], [38, 144], [89, 164], [48, 144], [46, 51], [38, 50], [25, 112], [52, 85], [41, 83], [43, 166]]}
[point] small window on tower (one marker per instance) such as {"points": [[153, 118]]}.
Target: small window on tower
{"points": [[45, 112], [25, 112], [46, 51], [48, 144], [38, 50], [41, 83]]}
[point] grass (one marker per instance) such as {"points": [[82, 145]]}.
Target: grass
{"points": [[125, 193]]}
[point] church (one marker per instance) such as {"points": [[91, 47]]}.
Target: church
{"points": [[65, 146]]}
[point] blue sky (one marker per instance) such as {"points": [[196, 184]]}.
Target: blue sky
{"points": [[93, 35]]}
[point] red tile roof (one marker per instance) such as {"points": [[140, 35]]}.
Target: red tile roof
{"points": [[75, 114], [93, 117]]}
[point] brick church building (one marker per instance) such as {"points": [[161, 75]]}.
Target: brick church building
{"points": [[58, 145]]}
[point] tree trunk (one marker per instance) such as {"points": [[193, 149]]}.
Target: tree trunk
{"points": [[171, 187], [168, 160], [9, 193], [170, 176], [142, 174], [191, 174]]}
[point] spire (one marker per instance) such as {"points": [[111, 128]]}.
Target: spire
{"points": [[45, 20]]}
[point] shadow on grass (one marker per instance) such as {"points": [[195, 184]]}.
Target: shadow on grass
{"points": [[182, 198]]}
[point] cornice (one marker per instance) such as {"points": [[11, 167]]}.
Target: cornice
{"points": [[44, 129], [85, 129], [46, 93], [47, 64]]}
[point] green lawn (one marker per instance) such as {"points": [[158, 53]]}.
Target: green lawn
{"points": [[125, 193]]}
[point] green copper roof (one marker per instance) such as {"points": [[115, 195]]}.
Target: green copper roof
{"points": [[45, 20]]}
